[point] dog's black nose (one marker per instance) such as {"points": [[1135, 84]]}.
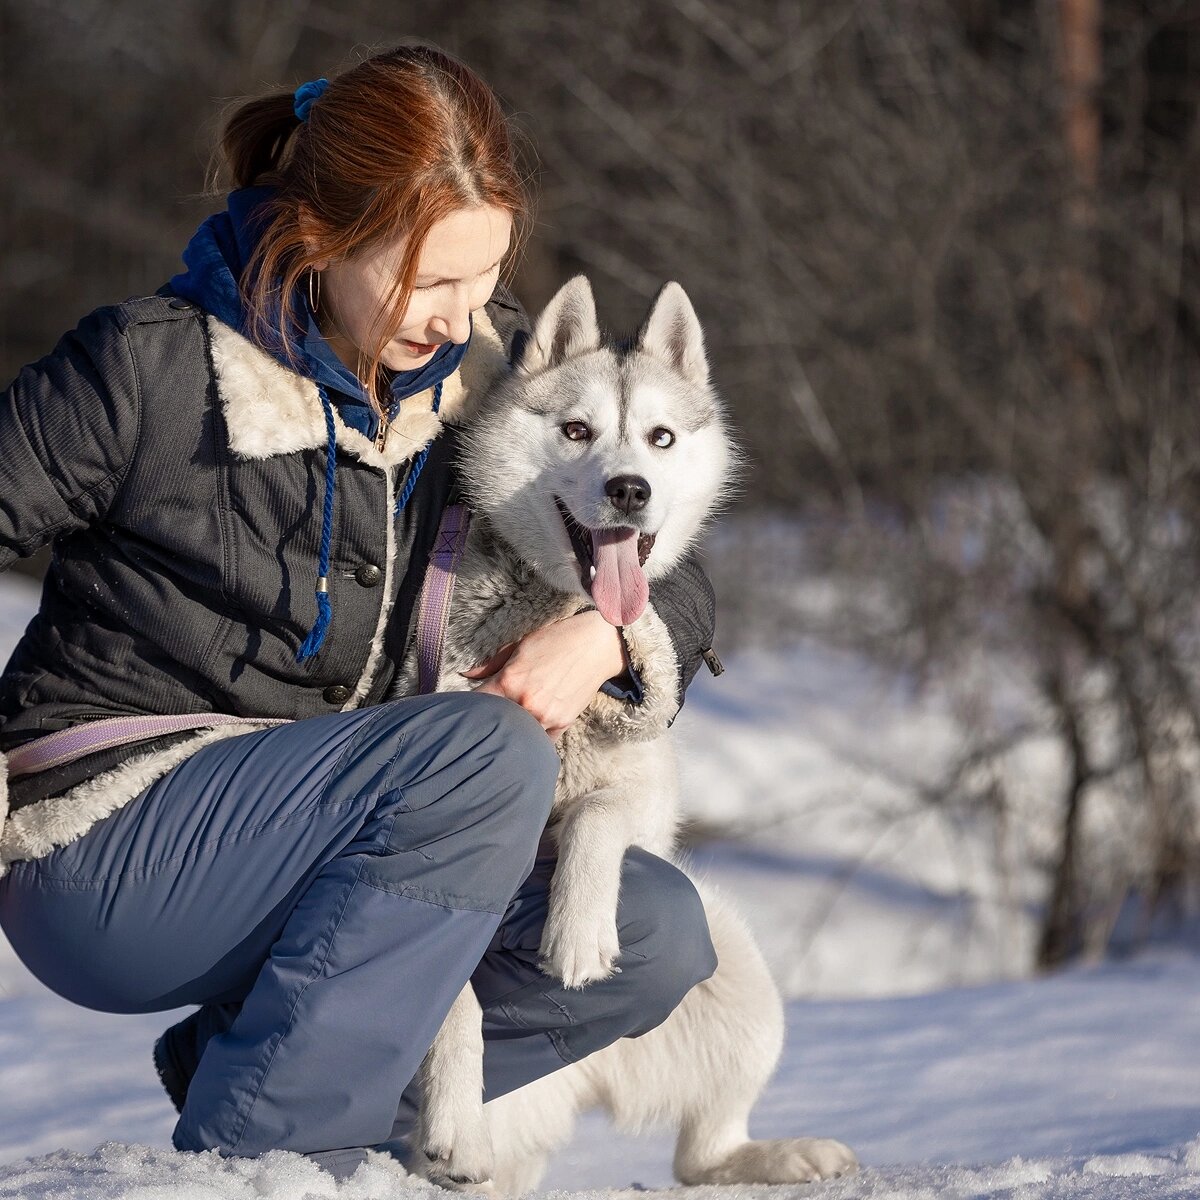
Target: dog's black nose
{"points": [[629, 493]]}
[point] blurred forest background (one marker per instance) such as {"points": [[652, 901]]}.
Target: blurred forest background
{"points": [[946, 255]]}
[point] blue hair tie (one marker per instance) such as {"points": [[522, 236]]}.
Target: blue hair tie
{"points": [[306, 95]]}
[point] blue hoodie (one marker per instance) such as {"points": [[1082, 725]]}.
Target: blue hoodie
{"points": [[215, 259]]}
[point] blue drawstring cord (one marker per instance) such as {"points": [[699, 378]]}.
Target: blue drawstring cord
{"points": [[419, 461], [316, 635]]}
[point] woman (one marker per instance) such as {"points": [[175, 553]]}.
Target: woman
{"points": [[322, 875]]}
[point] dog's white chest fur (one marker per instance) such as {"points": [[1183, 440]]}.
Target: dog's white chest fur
{"points": [[498, 599]]}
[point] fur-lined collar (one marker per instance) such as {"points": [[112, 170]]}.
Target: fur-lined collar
{"points": [[270, 410]]}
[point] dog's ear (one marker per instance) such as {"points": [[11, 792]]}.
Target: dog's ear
{"points": [[671, 331], [567, 327]]}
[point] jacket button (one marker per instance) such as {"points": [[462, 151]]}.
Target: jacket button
{"points": [[336, 693], [180, 303], [368, 574]]}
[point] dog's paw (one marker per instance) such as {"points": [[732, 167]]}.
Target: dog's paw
{"points": [[462, 1160], [456, 1169], [580, 952], [787, 1160]]}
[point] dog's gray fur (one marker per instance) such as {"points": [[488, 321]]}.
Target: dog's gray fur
{"points": [[703, 1069]]}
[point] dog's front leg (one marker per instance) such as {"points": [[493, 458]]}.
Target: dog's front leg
{"points": [[579, 943], [453, 1147]]}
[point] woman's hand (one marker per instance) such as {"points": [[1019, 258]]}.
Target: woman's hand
{"points": [[554, 672]]}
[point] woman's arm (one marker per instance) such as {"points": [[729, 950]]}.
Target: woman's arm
{"points": [[68, 428], [687, 605], [555, 672]]}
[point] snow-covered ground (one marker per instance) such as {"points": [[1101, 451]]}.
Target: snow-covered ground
{"points": [[1085, 1085], [873, 907]]}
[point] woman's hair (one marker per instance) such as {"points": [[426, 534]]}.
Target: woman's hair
{"points": [[391, 147]]}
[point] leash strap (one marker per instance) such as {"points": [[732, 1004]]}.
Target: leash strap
{"points": [[437, 591], [66, 745]]}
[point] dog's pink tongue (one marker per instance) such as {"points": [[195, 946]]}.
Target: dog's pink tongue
{"points": [[619, 590]]}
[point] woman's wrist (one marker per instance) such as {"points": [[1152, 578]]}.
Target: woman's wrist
{"points": [[609, 645]]}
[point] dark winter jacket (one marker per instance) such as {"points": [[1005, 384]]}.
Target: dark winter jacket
{"points": [[178, 471]]}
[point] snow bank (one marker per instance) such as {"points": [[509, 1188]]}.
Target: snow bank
{"points": [[116, 1172], [816, 766], [1080, 1085]]}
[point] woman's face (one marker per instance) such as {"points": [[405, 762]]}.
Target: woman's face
{"points": [[456, 273]]}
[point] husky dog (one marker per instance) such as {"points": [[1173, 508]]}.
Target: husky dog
{"points": [[623, 455]]}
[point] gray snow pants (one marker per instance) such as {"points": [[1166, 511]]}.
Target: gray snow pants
{"points": [[324, 889]]}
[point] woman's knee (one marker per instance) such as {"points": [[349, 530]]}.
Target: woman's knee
{"points": [[510, 761], [663, 929], [506, 751], [510, 736], [452, 747], [451, 781]]}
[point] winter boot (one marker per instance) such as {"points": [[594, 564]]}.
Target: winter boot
{"points": [[175, 1058], [177, 1052]]}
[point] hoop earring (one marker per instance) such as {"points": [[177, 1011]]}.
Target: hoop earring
{"points": [[314, 295]]}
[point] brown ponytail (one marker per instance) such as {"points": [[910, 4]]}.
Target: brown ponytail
{"points": [[255, 136], [393, 145]]}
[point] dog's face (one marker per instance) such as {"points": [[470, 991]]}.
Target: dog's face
{"points": [[598, 463]]}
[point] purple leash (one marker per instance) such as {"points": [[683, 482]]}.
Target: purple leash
{"points": [[433, 613], [89, 736]]}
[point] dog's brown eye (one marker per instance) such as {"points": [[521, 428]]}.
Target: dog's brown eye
{"points": [[577, 431], [662, 438]]}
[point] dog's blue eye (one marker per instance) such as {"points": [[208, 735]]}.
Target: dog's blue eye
{"points": [[577, 431], [662, 438]]}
